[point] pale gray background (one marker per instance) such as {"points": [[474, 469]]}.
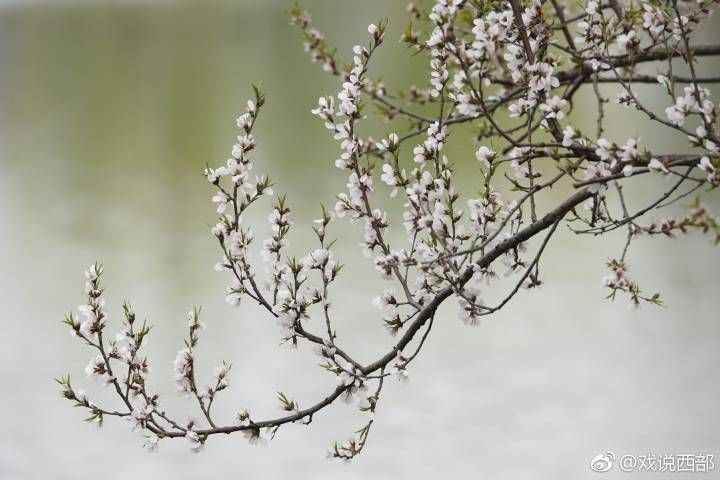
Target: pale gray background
{"points": [[109, 111]]}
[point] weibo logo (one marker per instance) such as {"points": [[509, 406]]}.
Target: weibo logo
{"points": [[603, 462]]}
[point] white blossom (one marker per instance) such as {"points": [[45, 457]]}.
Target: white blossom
{"points": [[196, 443], [485, 155], [594, 172], [657, 166], [151, 443], [183, 370], [97, 369]]}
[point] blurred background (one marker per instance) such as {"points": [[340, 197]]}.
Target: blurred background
{"points": [[108, 113]]}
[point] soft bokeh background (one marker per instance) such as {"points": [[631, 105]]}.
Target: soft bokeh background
{"points": [[108, 113]]}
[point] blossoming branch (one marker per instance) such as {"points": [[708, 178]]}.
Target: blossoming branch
{"points": [[512, 69]]}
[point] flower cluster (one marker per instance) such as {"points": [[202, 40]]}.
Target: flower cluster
{"points": [[92, 313], [618, 280]]}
